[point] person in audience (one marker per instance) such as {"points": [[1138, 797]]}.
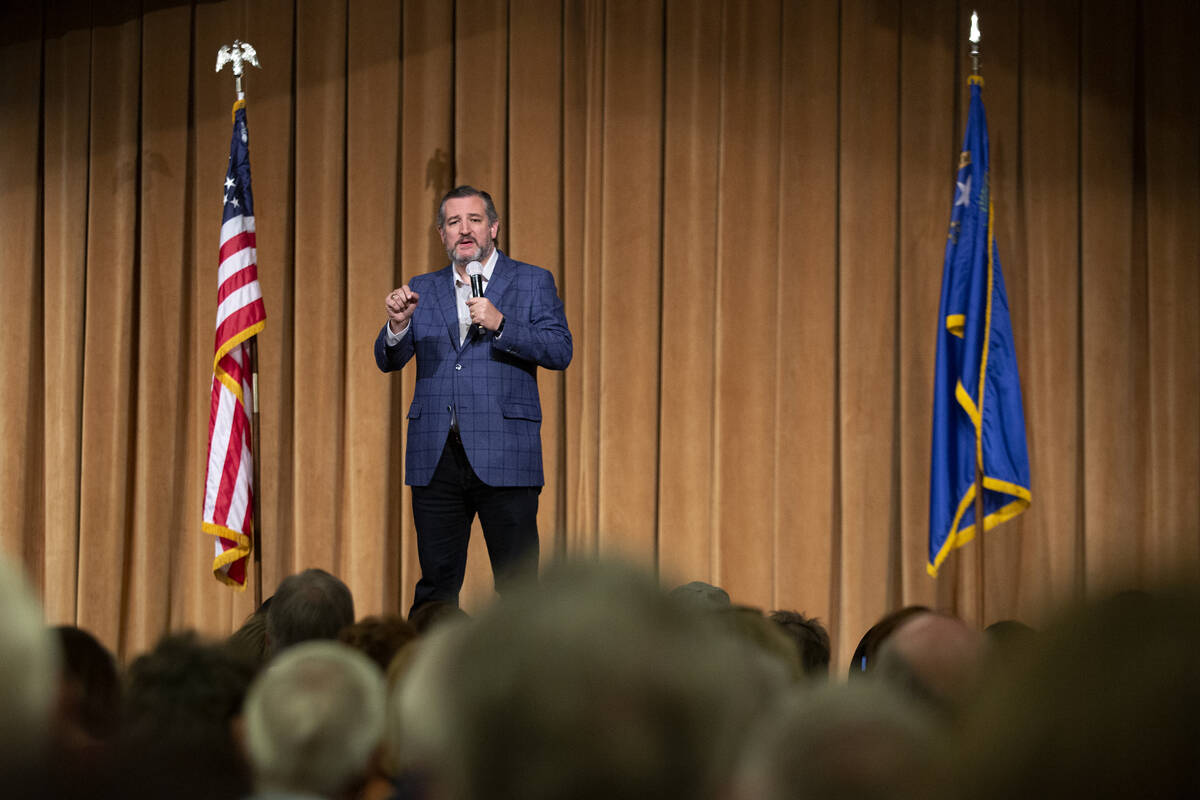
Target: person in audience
{"points": [[28, 675], [379, 637], [750, 626], [1105, 704], [90, 689], [811, 640], [308, 605], [249, 641], [933, 658], [314, 719], [702, 596], [863, 660], [433, 613], [859, 740], [594, 684], [182, 714]]}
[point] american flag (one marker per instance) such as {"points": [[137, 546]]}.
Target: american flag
{"points": [[228, 487]]}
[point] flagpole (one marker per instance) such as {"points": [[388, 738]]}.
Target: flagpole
{"points": [[238, 55], [257, 538], [974, 38]]}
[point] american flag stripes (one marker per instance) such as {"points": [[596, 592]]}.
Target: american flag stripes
{"points": [[228, 486]]}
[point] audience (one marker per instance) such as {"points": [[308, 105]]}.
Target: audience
{"points": [[750, 626], [858, 740], [89, 689], [379, 637], [811, 640], [28, 674], [249, 642], [309, 605], [594, 683], [314, 719], [433, 613], [863, 660], [934, 659], [1106, 704]]}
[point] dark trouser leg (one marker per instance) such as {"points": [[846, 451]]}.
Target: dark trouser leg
{"points": [[442, 513], [508, 515]]}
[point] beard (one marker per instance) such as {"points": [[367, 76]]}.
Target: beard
{"points": [[479, 253]]}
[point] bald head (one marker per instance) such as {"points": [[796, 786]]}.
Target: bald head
{"points": [[933, 657]]}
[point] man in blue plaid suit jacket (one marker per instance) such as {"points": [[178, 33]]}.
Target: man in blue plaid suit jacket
{"points": [[474, 428]]}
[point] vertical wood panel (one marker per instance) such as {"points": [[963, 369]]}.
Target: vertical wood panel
{"points": [[928, 90], [751, 316], [866, 309], [480, 96], [1173, 276], [371, 551], [21, 415], [694, 56], [535, 193], [164, 545], [1113, 303], [806, 361], [1046, 320], [630, 284], [65, 152], [320, 293], [583, 112], [109, 328], [426, 137]]}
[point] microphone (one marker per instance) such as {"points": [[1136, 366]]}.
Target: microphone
{"points": [[475, 271]]}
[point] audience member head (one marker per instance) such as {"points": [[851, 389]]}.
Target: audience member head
{"points": [[183, 702], [702, 596], [750, 626], [858, 740], [1104, 704], [28, 672], [811, 640], [314, 719], [592, 684], [933, 658], [308, 605], [379, 638], [863, 660], [433, 613], [249, 642], [90, 693]]}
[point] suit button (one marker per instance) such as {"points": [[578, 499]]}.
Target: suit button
{"points": [[458, 367]]}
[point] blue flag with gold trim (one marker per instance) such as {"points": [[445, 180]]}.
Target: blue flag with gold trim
{"points": [[977, 412]]}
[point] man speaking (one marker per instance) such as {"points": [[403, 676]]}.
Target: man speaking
{"points": [[479, 329]]}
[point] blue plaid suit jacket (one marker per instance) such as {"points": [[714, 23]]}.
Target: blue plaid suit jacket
{"points": [[490, 382]]}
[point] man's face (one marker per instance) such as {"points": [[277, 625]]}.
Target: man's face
{"points": [[466, 232]]}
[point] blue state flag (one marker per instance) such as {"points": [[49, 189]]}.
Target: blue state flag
{"points": [[977, 412]]}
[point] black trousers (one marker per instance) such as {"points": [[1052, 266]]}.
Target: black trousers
{"points": [[443, 512]]}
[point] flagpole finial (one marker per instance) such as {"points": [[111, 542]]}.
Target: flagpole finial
{"points": [[974, 38], [239, 54]]}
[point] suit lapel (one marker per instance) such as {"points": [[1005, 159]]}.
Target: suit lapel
{"points": [[501, 277], [445, 299]]}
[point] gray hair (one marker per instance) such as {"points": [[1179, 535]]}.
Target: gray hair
{"points": [[312, 604], [467, 191], [592, 684], [314, 719], [28, 670]]}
